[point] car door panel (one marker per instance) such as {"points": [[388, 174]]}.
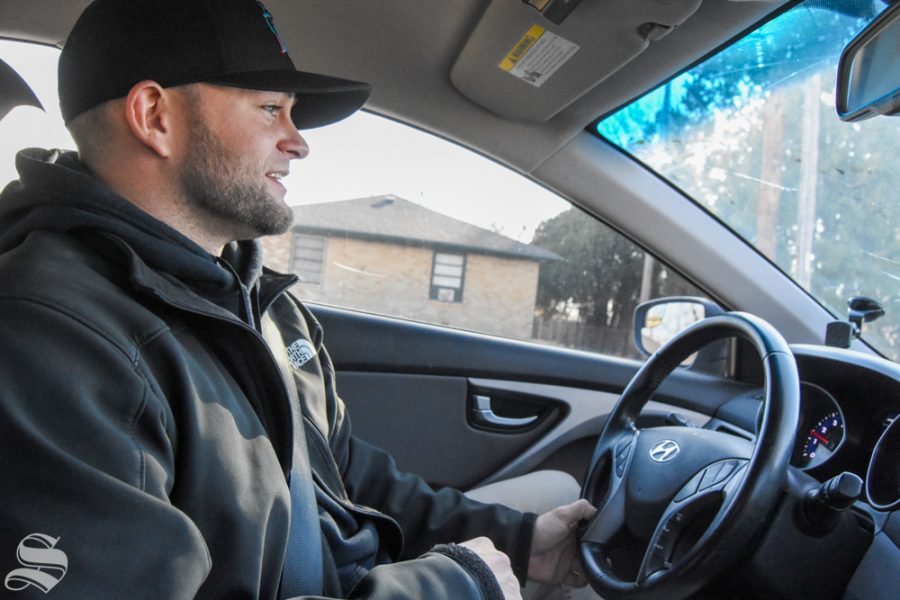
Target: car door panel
{"points": [[425, 424], [411, 388]]}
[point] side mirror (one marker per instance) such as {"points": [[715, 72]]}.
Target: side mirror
{"points": [[657, 321], [868, 81]]}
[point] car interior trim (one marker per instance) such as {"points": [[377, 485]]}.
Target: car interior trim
{"points": [[587, 410]]}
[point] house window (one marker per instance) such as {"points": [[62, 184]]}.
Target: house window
{"points": [[447, 277], [309, 258]]}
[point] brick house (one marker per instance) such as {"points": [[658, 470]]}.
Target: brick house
{"points": [[391, 256]]}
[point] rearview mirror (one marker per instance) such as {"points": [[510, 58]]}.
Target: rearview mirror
{"points": [[868, 81]]}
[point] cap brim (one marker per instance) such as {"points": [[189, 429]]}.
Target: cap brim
{"points": [[14, 91], [321, 99]]}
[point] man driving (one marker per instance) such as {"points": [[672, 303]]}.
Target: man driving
{"points": [[170, 422]]}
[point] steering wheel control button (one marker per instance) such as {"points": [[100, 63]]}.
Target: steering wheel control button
{"points": [[622, 449], [658, 560], [725, 472], [663, 548], [690, 488], [665, 451], [709, 476]]}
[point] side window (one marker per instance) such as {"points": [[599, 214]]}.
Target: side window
{"points": [[26, 126], [309, 258], [394, 221]]}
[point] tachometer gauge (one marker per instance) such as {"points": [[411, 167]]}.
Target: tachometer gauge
{"points": [[820, 431], [822, 440]]}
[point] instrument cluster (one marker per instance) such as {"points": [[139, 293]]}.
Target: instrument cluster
{"points": [[822, 435]]}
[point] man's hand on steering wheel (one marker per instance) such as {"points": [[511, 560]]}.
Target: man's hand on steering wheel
{"points": [[554, 548]]}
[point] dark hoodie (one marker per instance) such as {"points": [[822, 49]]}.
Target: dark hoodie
{"points": [[55, 193], [145, 424]]}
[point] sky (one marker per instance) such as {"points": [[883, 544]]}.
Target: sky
{"points": [[365, 155]]}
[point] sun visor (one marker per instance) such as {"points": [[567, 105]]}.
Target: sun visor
{"points": [[529, 59]]}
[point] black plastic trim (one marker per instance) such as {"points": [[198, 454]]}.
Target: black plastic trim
{"points": [[365, 342]]}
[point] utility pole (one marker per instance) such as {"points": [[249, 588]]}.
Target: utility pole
{"points": [[809, 177]]}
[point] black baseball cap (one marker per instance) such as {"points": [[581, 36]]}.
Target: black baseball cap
{"points": [[117, 43]]}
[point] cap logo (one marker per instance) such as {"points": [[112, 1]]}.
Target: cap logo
{"points": [[268, 18]]}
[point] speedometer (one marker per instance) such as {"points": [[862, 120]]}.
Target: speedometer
{"points": [[823, 439], [820, 431]]}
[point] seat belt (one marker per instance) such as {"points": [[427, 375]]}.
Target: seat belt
{"points": [[303, 572]]}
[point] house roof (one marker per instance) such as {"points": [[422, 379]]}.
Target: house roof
{"points": [[395, 220]]}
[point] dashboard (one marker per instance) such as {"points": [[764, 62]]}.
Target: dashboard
{"points": [[848, 420], [849, 407]]}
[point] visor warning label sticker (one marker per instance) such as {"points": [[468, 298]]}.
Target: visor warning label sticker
{"points": [[538, 55]]}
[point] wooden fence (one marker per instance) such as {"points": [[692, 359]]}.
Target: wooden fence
{"points": [[616, 341]]}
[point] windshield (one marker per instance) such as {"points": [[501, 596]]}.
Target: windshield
{"points": [[752, 135]]}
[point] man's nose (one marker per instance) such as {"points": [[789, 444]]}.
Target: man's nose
{"points": [[293, 143]]}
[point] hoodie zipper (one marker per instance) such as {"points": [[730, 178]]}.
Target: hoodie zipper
{"points": [[343, 500], [317, 436], [232, 320]]}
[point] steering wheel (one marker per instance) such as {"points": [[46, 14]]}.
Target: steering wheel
{"points": [[693, 497]]}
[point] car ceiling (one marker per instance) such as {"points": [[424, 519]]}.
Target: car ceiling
{"points": [[408, 50]]}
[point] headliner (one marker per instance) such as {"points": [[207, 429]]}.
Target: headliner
{"points": [[407, 50]]}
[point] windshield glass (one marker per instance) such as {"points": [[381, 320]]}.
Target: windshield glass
{"points": [[752, 135]]}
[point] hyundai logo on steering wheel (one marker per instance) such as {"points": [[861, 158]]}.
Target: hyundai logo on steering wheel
{"points": [[664, 451]]}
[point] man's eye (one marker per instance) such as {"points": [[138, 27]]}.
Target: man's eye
{"points": [[272, 109]]}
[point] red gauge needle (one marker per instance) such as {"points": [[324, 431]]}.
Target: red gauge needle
{"points": [[821, 439]]}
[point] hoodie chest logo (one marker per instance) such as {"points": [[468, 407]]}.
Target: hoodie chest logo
{"points": [[300, 352]]}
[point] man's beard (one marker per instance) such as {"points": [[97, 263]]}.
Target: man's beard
{"points": [[222, 186]]}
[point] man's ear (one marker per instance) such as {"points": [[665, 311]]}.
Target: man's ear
{"points": [[150, 114]]}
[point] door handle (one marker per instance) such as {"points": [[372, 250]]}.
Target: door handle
{"points": [[484, 415]]}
